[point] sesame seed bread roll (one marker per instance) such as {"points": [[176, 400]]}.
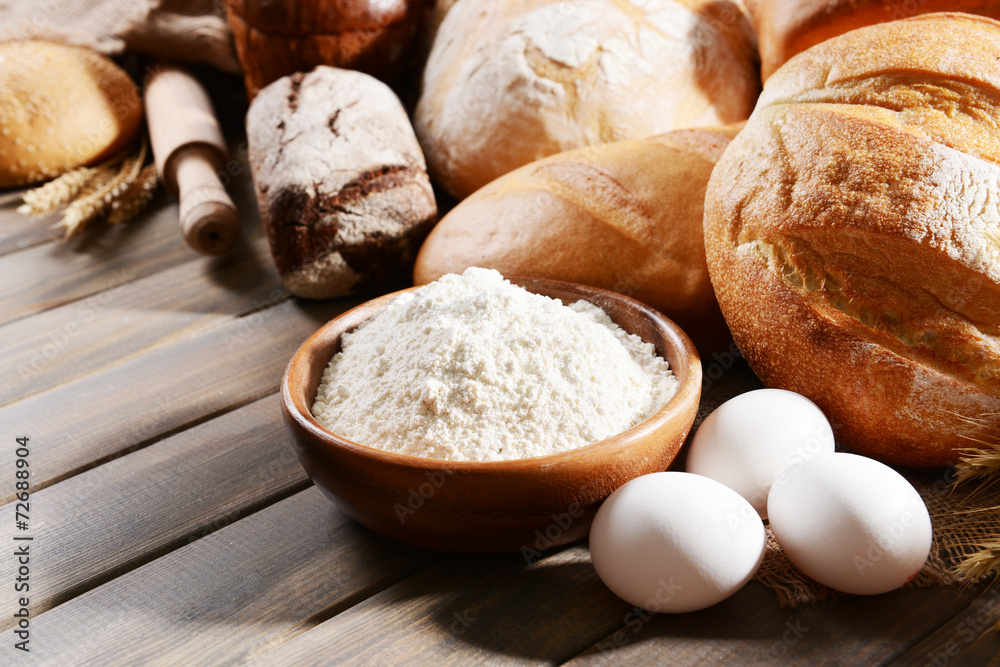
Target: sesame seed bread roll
{"points": [[510, 82], [853, 235], [786, 28], [61, 107], [624, 216]]}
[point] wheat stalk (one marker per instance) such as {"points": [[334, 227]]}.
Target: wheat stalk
{"points": [[56, 193], [135, 199], [91, 205], [980, 563], [979, 463]]}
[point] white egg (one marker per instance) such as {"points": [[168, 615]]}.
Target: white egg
{"points": [[749, 439], [850, 522], [675, 542]]}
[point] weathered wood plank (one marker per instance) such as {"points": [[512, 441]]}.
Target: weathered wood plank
{"points": [[51, 274], [970, 637], [58, 345], [231, 595], [18, 232], [751, 628], [102, 522], [79, 424], [470, 610]]}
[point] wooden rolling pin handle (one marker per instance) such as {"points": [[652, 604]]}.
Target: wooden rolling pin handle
{"points": [[210, 222]]}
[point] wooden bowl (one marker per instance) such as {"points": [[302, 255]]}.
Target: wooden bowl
{"points": [[525, 505]]}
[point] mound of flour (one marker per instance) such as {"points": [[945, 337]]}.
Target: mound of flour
{"points": [[473, 368]]}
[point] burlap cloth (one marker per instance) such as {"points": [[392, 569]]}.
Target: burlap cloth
{"points": [[183, 30], [959, 525]]}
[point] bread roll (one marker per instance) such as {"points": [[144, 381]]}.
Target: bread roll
{"points": [[786, 28], [341, 182], [853, 235], [510, 82], [624, 216], [275, 39], [61, 107]]}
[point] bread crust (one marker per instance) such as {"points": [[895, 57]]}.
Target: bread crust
{"points": [[624, 216], [275, 39], [510, 82], [853, 235], [342, 187], [787, 28]]}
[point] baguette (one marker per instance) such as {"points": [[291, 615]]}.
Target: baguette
{"points": [[624, 216]]}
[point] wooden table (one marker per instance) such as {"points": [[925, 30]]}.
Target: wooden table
{"points": [[171, 524]]}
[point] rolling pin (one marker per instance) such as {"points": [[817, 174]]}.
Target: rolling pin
{"points": [[190, 152]]}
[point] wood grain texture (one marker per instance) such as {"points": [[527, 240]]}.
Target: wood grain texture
{"points": [[79, 424], [18, 232], [52, 274], [750, 628], [76, 339], [469, 610], [971, 637], [102, 522], [232, 595]]}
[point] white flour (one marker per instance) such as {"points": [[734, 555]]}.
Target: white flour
{"points": [[472, 368]]}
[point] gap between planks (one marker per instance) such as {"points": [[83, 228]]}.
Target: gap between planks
{"points": [[73, 340], [230, 595], [97, 525], [135, 403]]}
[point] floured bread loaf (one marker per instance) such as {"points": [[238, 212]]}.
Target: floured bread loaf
{"points": [[785, 28], [624, 216], [341, 183], [853, 235], [511, 82]]}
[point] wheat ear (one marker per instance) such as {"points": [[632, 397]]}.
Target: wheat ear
{"points": [[136, 197], [97, 202], [56, 193]]}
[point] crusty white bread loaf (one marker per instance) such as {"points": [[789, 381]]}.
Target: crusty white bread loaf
{"points": [[785, 28], [510, 82], [853, 235], [624, 216], [61, 107], [341, 183]]}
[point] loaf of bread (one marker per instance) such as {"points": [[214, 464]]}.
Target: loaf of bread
{"points": [[853, 235], [275, 39], [341, 182], [786, 28], [510, 82], [61, 107], [624, 216]]}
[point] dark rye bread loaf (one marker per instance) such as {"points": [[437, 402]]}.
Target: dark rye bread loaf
{"points": [[275, 39], [341, 182]]}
